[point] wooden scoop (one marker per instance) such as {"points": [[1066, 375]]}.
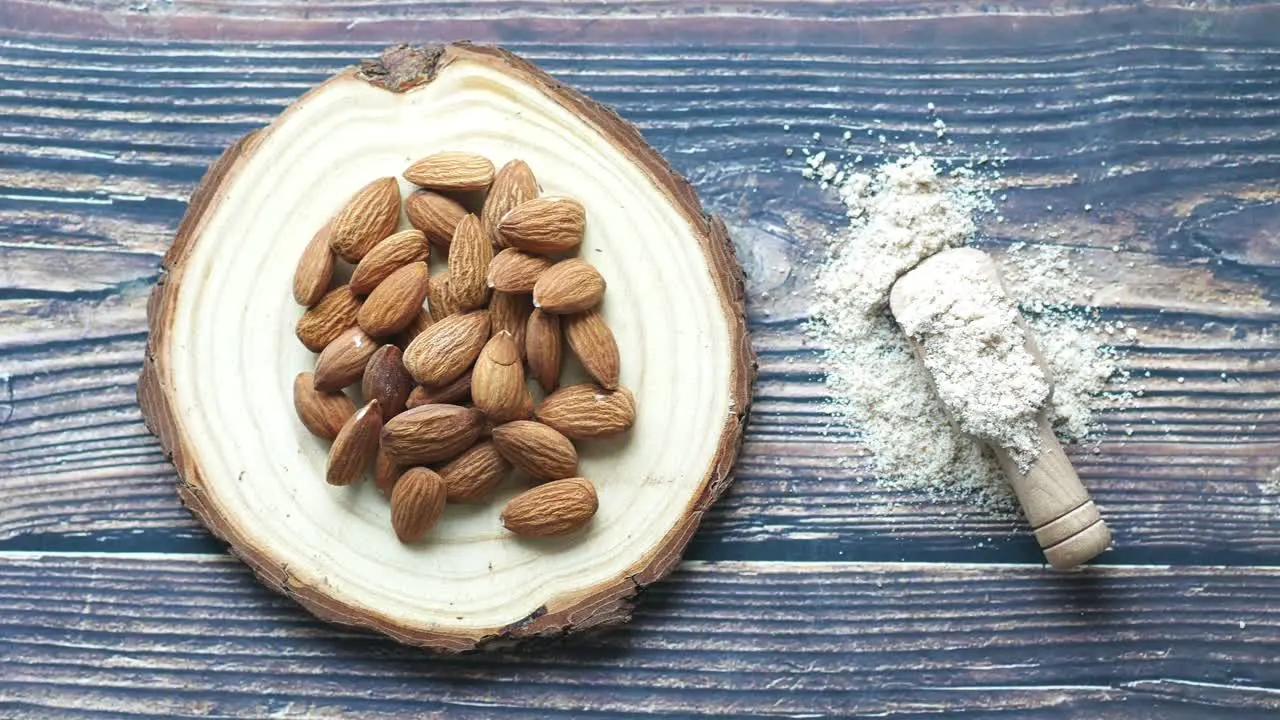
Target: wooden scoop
{"points": [[1066, 523]]}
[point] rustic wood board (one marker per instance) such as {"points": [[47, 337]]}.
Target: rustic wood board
{"points": [[1162, 117]]}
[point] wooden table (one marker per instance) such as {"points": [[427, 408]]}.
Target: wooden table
{"points": [[810, 591]]}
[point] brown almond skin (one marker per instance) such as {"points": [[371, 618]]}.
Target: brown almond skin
{"points": [[497, 382], [473, 475], [322, 413], [469, 258], [544, 349], [513, 184], [435, 216], [592, 341], [569, 286], [440, 302], [416, 503], [385, 473], [453, 171], [395, 302], [322, 324], [369, 216], [455, 392], [445, 350], [355, 446], [342, 361], [416, 326], [584, 412], [386, 381], [556, 508], [388, 256], [537, 449], [516, 271], [431, 433], [510, 313], [315, 269], [546, 225]]}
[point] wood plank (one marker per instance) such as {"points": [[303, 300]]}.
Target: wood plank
{"points": [[158, 636]]}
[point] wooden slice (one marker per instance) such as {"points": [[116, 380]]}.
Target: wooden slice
{"points": [[217, 383]]}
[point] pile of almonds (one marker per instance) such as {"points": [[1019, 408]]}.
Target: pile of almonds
{"points": [[448, 412]]}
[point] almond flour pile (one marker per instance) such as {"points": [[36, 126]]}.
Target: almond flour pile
{"points": [[900, 214]]}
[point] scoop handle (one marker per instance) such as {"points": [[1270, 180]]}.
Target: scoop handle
{"points": [[1066, 523]]}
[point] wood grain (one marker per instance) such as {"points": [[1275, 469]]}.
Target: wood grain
{"points": [[1180, 106]]}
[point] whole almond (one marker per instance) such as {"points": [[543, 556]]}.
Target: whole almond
{"points": [[555, 508], [315, 269], [456, 171], [435, 215], [512, 185], [543, 348], [420, 322], [388, 256], [546, 225], [537, 449], [322, 413], [395, 302], [445, 350], [516, 271], [386, 381], [342, 361], [440, 302], [497, 383], [355, 446], [369, 216], [592, 341], [416, 503], [431, 433], [385, 472], [469, 258], [455, 392], [570, 286], [474, 474], [323, 323], [510, 313], [582, 412]]}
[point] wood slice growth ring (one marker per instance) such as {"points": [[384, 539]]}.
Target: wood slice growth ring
{"points": [[216, 385]]}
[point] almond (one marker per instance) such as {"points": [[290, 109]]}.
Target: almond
{"points": [[388, 256], [416, 326], [342, 361], [435, 215], [315, 269], [543, 348], [555, 508], [510, 313], [581, 412], [497, 383], [416, 503], [514, 184], [474, 474], [456, 171], [322, 413], [456, 392], [571, 286], [386, 381], [536, 449], [431, 433], [385, 472], [516, 271], [592, 341], [469, 257], [545, 225], [395, 302], [440, 302], [323, 323], [446, 349], [355, 446], [369, 216]]}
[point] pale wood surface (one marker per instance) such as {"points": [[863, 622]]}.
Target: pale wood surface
{"points": [[108, 115]]}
